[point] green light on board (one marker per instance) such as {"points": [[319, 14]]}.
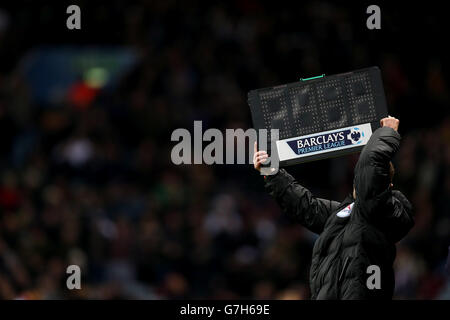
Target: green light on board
{"points": [[306, 79]]}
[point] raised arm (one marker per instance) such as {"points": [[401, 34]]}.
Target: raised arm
{"points": [[372, 170], [299, 203], [296, 201]]}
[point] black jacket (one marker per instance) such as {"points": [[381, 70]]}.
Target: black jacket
{"points": [[348, 245]]}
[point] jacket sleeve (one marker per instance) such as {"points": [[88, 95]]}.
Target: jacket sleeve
{"points": [[298, 202], [372, 170], [401, 217]]}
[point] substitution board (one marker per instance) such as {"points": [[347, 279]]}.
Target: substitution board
{"points": [[320, 117]]}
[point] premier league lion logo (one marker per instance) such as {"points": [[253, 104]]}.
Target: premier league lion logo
{"points": [[355, 135]]}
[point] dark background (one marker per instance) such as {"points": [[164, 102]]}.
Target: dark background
{"points": [[141, 227]]}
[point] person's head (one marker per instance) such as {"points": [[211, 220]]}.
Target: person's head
{"points": [[391, 178]]}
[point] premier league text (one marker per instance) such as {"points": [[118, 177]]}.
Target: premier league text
{"points": [[321, 142]]}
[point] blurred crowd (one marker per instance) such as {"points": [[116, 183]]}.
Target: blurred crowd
{"points": [[95, 186]]}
